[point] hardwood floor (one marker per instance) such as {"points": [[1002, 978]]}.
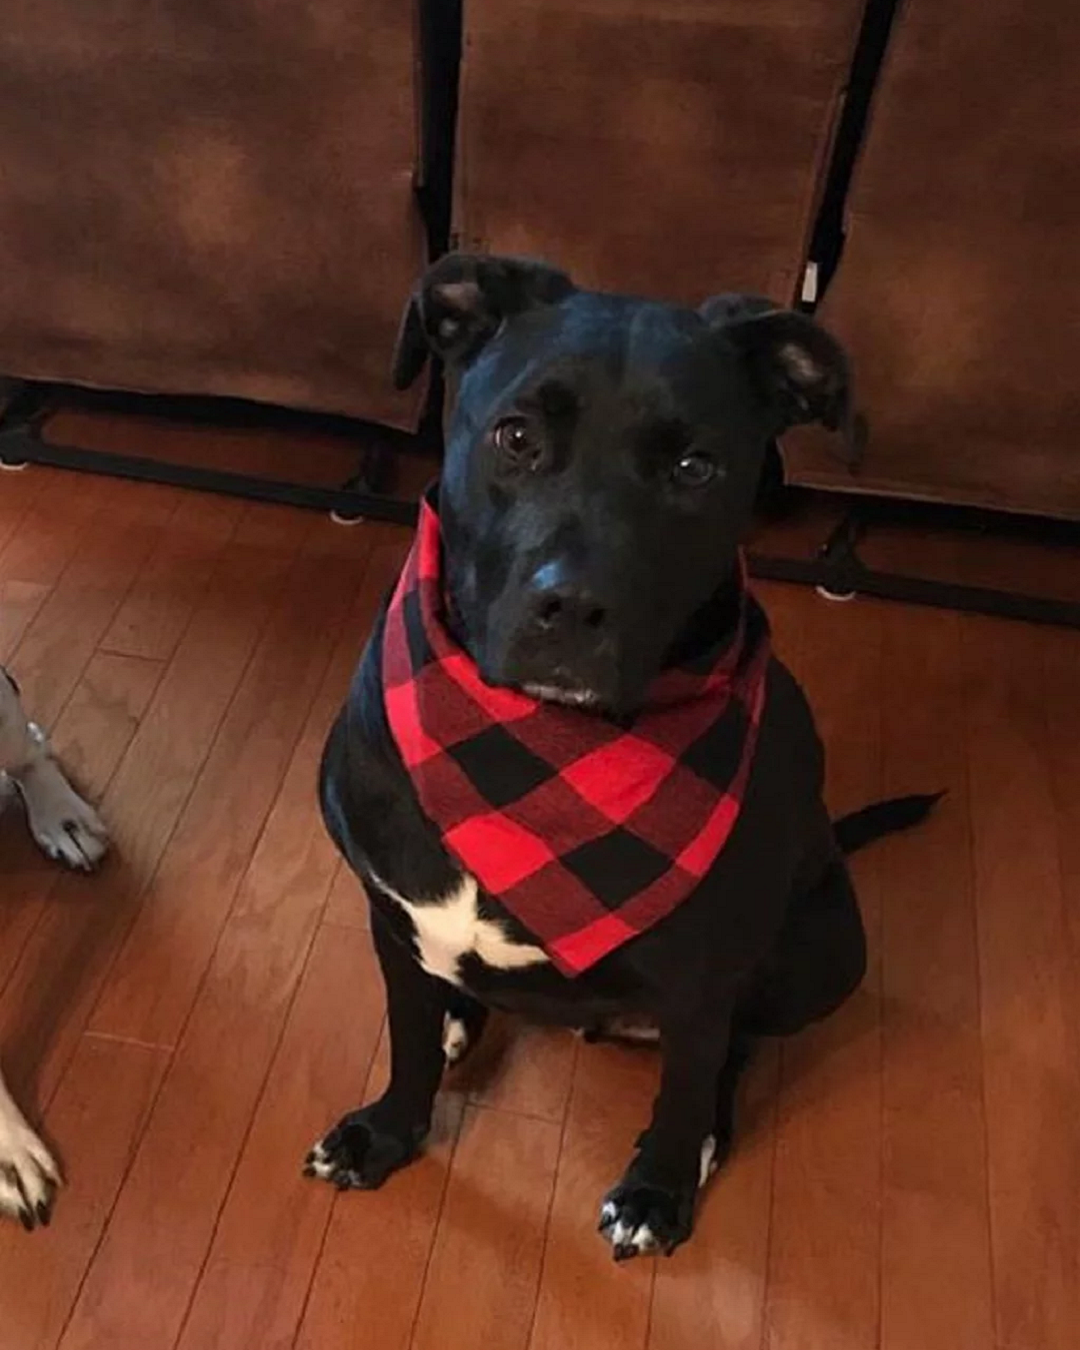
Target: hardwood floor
{"points": [[907, 1175]]}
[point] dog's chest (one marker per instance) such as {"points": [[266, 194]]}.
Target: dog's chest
{"points": [[452, 928]]}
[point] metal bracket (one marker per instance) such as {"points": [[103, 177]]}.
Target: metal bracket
{"points": [[837, 572], [842, 569]]}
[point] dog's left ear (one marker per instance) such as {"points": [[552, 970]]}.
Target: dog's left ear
{"points": [[462, 301], [802, 370]]}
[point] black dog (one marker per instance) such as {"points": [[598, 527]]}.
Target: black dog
{"points": [[601, 464]]}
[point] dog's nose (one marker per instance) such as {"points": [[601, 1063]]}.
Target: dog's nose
{"points": [[560, 605]]}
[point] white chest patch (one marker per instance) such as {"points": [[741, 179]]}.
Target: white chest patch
{"points": [[451, 928]]}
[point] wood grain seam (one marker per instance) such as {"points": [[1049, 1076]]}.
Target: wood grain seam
{"points": [[305, 1302], [140, 900], [259, 1098], [133, 1153], [564, 1128], [116, 1039], [414, 1322], [498, 1109], [136, 1144], [963, 644]]}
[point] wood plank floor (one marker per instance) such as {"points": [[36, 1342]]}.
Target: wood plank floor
{"points": [[183, 1025]]}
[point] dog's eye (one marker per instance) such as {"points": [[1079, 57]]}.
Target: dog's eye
{"points": [[694, 470], [516, 444]]}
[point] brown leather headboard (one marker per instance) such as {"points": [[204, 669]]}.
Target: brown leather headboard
{"points": [[210, 198], [959, 293], [668, 147]]}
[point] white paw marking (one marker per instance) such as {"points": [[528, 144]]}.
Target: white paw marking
{"points": [[319, 1162], [455, 1039], [640, 1238], [28, 1174], [451, 928], [622, 1235], [708, 1163]]}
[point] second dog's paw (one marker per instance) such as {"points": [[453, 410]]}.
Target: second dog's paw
{"points": [[65, 826], [28, 1176], [638, 1219], [79, 839], [356, 1155]]}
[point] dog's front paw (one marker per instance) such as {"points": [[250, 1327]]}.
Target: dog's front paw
{"points": [[65, 826], [28, 1176], [640, 1219], [357, 1155], [79, 839]]}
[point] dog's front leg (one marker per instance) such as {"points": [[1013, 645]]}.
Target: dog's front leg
{"points": [[652, 1207], [366, 1145]]}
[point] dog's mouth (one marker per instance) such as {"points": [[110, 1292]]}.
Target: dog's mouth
{"points": [[589, 686], [569, 695]]}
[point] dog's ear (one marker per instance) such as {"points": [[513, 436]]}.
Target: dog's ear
{"points": [[462, 301], [802, 370]]}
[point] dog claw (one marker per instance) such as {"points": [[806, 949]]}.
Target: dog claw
{"points": [[29, 1178], [20, 1186]]}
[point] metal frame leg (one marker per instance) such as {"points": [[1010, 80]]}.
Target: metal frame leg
{"points": [[839, 573]]}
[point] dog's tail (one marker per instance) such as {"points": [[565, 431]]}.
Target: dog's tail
{"points": [[881, 818]]}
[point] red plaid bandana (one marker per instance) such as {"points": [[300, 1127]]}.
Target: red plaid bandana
{"points": [[588, 832]]}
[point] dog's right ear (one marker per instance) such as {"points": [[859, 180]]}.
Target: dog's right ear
{"points": [[801, 370], [461, 303]]}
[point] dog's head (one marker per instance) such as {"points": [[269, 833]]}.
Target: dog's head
{"points": [[602, 458]]}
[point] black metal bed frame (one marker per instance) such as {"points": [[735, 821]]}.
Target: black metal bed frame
{"points": [[835, 568], [22, 442]]}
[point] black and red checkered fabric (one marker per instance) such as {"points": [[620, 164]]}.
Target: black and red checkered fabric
{"points": [[587, 831]]}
